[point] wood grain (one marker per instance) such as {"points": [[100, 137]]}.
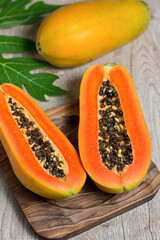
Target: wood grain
{"points": [[61, 219], [141, 58]]}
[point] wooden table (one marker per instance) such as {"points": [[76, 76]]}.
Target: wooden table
{"points": [[142, 58]]}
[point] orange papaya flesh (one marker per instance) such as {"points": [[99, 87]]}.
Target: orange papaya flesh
{"points": [[103, 167], [24, 161]]}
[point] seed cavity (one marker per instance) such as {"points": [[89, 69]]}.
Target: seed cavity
{"points": [[114, 143], [45, 151]]}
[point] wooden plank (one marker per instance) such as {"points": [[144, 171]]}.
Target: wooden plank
{"points": [[61, 219]]}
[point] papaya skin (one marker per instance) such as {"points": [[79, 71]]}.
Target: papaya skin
{"points": [[106, 179], [81, 32], [25, 166]]}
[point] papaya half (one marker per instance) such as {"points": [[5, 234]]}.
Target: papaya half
{"points": [[41, 156], [80, 32], [114, 141]]}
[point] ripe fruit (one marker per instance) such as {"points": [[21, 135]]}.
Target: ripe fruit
{"points": [[83, 31], [42, 158], [114, 141]]}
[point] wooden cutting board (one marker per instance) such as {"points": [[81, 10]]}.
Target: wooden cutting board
{"points": [[61, 219]]}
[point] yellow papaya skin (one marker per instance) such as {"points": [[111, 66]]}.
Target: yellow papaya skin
{"points": [[83, 31]]}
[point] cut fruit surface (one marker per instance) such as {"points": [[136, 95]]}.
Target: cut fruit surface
{"points": [[114, 141], [41, 156]]}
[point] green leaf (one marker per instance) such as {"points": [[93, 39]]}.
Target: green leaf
{"points": [[15, 12], [15, 44], [17, 72], [4, 3]]}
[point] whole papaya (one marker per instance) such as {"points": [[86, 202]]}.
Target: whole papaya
{"points": [[83, 31]]}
